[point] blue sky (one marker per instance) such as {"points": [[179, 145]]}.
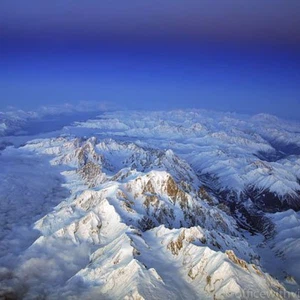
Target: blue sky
{"points": [[234, 56]]}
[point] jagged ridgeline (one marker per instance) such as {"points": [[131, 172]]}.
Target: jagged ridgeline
{"points": [[181, 205]]}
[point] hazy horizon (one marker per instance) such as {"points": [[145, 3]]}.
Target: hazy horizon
{"points": [[241, 57]]}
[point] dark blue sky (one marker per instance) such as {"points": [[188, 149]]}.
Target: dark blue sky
{"points": [[239, 56]]}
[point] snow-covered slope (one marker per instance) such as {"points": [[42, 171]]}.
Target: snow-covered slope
{"points": [[175, 205], [246, 155]]}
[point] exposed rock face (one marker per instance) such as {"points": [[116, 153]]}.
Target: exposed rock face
{"points": [[178, 215], [175, 193], [176, 246], [203, 194], [146, 224], [236, 260], [91, 173]]}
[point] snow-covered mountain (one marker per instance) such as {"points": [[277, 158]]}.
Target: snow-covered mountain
{"points": [[19, 122], [182, 205], [256, 156]]}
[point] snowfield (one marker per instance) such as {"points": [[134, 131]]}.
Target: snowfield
{"points": [[151, 205]]}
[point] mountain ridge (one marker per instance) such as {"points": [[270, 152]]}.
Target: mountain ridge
{"points": [[167, 213]]}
